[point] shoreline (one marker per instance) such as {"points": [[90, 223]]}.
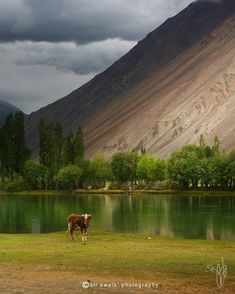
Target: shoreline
{"points": [[121, 192]]}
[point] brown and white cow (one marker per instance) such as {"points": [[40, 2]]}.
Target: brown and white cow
{"points": [[77, 221]]}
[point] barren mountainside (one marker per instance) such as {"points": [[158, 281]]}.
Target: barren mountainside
{"points": [[177, 83]]}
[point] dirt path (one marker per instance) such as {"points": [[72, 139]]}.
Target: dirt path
{"points": [[58, 282]]}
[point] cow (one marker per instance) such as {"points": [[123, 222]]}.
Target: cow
{"points": [[77, 221]]}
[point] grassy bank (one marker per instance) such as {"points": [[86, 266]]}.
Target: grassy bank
{"points": [[157, 192], [116, 254], [112, 192]]}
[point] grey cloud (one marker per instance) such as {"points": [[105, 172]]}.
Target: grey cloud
{"points": [[34, 91], [82, 21], [48, 48], [68, 56], [31, 87]]}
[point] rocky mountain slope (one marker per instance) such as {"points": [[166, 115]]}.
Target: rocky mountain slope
{"points": [[177, 83]]}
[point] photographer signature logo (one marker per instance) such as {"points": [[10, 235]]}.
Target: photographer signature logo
{"points": [[220, 270]]}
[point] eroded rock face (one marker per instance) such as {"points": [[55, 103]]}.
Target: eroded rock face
{"points": [[174, 85], [196, 96], [204, 113]]}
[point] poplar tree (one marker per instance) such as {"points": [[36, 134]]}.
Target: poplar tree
{"points": [[47, 143], [216, 146], [79, 148], [13, 150], [69, 156], [21, 152], [59, 145], [202, 141], [8, 148], [74, 148]]}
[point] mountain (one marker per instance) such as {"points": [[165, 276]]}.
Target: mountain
{"points": [[5, 109], [177, 83]]}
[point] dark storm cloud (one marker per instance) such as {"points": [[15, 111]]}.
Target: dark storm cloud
{"points": [[84, 59], [48, 48], [82, 21]]}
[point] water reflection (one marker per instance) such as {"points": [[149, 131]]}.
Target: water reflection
{"points": [[201, 217]]}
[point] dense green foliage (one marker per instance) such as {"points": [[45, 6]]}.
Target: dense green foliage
{"points": [[151, 169], [62, 164], [35, 175], [99, 169], [124, 167], [58, 151], [68, 177], [202, 166], [13, 150], [74, 149]]}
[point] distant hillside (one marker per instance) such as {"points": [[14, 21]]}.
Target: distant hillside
{"points": [[5, 109], [172, 86]]}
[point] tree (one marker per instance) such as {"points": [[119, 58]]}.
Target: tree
{"points": [[184, 166], [151, 169], [69, 157], [118, 167], [74, 148], [13, 150], [7, 148], [145, 168], [202, 141], [160, 169], [47, 143], [86, 174], [59, 145], [219, 170], [124, 166], [231, 160], [216, 146], [35, 175], [42, 142], [21, 152], [79, 147], [143, 150], [205, 177], [100, 169], [131, 162], [56, 150], [52, 149], [69, 176]]}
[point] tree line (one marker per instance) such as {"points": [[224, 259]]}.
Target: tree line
{"points": [[62, 163]]}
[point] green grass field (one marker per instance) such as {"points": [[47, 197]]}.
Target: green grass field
{"points": [[116, 254]]}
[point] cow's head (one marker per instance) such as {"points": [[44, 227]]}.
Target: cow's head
{"points": [[86, 218]]}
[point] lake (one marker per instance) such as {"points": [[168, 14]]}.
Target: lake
{"points": [[194, 217]]}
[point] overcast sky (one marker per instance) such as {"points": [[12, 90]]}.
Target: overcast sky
{"points": [[48, 48]]}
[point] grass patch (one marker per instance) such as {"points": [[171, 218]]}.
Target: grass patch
{"points": [[116, 254]]}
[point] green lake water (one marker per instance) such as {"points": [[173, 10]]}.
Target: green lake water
{"points": [[197, 217]]}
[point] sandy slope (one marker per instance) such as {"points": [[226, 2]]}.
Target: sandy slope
{"points": [[193, 95], [175, 84]]}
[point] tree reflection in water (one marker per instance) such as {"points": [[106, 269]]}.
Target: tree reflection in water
{"points": [[200, 217]]}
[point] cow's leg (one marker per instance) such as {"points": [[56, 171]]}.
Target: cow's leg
{"points": [[85, 237], [68, 233], [82, 232], [71, 233]]}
